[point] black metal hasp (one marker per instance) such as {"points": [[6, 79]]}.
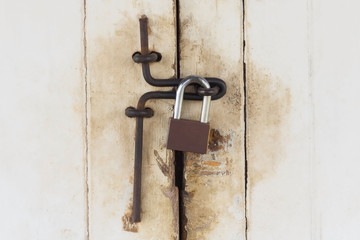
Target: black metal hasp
{"points": [[217, 90]]}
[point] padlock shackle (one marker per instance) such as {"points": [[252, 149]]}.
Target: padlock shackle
{"points": [[205, 109]]}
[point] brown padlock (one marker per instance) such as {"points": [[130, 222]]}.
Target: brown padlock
{"points": [[189, 135]]}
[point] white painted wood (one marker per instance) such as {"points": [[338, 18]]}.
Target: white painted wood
{"points": [[279, 123], [211, 45], [42, 120], [335, 62], [302, 81], [115, 82]]}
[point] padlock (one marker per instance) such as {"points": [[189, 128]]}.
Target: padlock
{"points": [[188, 135]]}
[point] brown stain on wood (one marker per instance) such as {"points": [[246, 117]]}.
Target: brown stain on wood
{"points": [[113, 61], [127, 225], [107, 80], [111, 133], [201, 176], [268, 109], [201, 217], [217, 141], [171, 191], [211, 174], [212, 163], [201, 55]]}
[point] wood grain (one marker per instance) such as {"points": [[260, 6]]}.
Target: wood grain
{"points": [[302, 71], [42, 121], [211, 46], [115, 82]]}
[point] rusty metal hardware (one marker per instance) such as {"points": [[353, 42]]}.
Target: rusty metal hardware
{"points": [[145, 57], [217, 90], [188, 135]]}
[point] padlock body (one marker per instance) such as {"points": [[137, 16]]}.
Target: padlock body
{"points": [[188, 136]]}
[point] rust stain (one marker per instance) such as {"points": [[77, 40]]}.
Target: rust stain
{"points": [[189, 162], [217, 142], [212, 163], [128, 226], [268, 109], [200, 165]]}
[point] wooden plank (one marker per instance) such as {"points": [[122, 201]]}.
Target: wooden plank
{"points": [[302, 127], [42, 123], [335, 78], [115, 82], [279, 123], [211, 45]]}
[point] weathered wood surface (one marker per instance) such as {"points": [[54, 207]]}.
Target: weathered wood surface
{"points": [[42, 121], [279, 120], [302, 79], [114, 83], [302, 71], [211, 45]]}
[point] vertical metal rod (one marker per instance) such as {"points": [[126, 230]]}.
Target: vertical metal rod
{"points": [[144, 35], [136, 207]]}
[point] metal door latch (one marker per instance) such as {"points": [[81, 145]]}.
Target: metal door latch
{"points": [[216, 91]]}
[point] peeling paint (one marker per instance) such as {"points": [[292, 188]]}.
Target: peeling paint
{"points": [[173, 194], [172, 191], [128, 226]]}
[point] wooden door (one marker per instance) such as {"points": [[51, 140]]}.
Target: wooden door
{"points": [[214, 194], [283, 154]]}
